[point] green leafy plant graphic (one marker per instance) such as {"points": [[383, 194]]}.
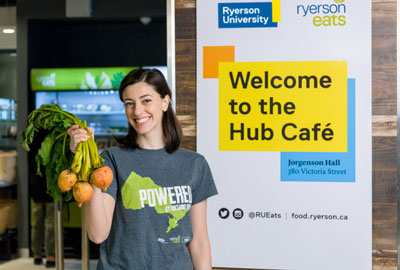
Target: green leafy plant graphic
{"points": [[116, 80]]}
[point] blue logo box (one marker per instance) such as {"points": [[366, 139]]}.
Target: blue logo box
{"points": [[245, 15]]}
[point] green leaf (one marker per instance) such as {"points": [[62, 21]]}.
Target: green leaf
{"points": [[116, 80], [27, 136], [97, 80], [100, 83], [47, 144], [50, 154], [56, 165]]}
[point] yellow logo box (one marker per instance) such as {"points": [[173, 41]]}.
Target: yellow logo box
{"points": [[283, 106]]}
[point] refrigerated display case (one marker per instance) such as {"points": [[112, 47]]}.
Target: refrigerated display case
{"points": [[89, 93], [102, 109], [8, 185], [8, 124]]}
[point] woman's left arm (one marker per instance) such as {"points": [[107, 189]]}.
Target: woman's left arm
{"points": [[199, 247]]}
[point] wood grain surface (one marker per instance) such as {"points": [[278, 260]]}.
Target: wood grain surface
{"points": [[384, 186], [384, 98], [185, 23], [384, 52], [185, 4], [384, 125], [384, 226], [383, 18]]}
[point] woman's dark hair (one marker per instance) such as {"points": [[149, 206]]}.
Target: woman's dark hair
{"points": [[170, 125]]}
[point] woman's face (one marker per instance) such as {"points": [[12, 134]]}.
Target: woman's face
{"points": [[144, 108]]}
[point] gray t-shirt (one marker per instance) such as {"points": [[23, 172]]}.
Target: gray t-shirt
{"points": [[153, 192]]}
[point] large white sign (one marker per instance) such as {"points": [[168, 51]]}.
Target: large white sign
{"points": [[284, 120]]}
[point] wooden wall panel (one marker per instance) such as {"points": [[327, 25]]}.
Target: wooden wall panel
{"points": [[384, 100], [384, 261], [384, 226], [384, 143], [384, 155], [186, 23], [384, 57], [185, 4], [384, 125], [185, 34], [384, 19], [384, 110], [384, 186], [187, 98], [184, 62]]}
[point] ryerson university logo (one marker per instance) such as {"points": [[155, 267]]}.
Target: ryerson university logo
{"points": [[248, 15]]}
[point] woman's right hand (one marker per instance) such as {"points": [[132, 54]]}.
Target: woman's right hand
{"points": [[78, 135]]}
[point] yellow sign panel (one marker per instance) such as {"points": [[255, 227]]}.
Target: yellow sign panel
{"points": [[283, 106]]}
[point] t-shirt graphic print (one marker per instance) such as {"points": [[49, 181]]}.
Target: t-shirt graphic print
{"points": [[170, 202]]}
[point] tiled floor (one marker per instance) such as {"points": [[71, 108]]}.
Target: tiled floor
{"points": [[27, 264]]}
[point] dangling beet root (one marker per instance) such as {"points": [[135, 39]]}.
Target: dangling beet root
{"points": [[102, 177]]}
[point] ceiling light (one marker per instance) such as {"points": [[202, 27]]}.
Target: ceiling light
{"points": [[145, 20], [8, 31]]}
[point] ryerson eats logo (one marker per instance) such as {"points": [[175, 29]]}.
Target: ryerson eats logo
{"points": [[245, 15], [332, 14]]}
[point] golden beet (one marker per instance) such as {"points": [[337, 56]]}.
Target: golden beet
{"points": [[66, 180], [102, 177], [82, 192]]}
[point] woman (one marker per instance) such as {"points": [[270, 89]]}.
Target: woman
{"points": [[153, 215]]}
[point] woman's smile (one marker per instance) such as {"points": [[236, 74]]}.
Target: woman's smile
{"points": [[142, 121]]}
